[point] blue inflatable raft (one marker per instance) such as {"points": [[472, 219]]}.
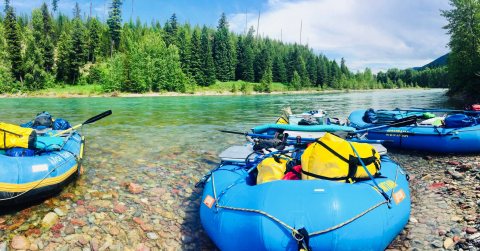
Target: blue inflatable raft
{"points": [[421, 137], [280, 215], [28, 179]]}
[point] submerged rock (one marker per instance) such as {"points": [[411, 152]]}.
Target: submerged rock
{"points": [[20, 242], [49, 220], [135, 188]]}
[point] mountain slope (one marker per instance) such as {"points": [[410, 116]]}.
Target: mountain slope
{"points": [[439, 62]]}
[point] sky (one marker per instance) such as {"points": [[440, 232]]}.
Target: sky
{"points": [[378, 34]]}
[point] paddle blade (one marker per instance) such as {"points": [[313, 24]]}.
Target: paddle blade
{"points": [[98, 117]]}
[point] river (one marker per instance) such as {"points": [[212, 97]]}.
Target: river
{"points": [[165, 144]]}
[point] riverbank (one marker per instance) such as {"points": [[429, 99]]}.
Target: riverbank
{"points": [[141, 165], [123, 215], [219, 89], [445, 193]]}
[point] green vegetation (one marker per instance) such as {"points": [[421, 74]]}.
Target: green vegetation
{"points": [[52, 52], [464, 59], [435, 77]]}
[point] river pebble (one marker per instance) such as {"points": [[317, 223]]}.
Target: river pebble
{"points": [[444, 191], [102, 210], [20, 242]]}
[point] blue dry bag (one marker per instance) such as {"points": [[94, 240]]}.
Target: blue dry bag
{"points": [[459, 120], [370, 116], [19, 152], [61, 124]]}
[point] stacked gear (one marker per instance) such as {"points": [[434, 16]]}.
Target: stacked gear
{"points": [[333, 158], [15, 136], [35, 167], [272, 168]]}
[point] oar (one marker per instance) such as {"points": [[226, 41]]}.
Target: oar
{"points": [[88, 121], [401, 122], [265, 136], [415, 109]]}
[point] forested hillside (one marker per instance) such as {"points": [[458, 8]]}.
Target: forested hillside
{"points": [[47, 48], [464, 59]]}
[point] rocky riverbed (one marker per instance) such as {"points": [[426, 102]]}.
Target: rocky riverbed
{"points": [[445, 203], [145, 205]]}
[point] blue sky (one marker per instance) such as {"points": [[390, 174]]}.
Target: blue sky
{"points": [[379, 34]]}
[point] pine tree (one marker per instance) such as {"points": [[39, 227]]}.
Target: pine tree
{"points": [[311, 66], [54, 5], [171, 30], [64, 48], [279, 71], [196, 61], [207, 57], [262, 62], [115, 24], [77, 13], [34, 73], [344, 69], [245, 57], [93, 39], [48, 48], [266, 81], [14, 44], [77, 52], [184, 48], [296, 81], [7, 6], [223, 52], [464, 60]]}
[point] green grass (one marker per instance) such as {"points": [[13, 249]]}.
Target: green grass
{"points": [[225, 87], [68, 90]]}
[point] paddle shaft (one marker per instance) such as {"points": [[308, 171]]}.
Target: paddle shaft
{"points": [[264, 136], [434, 110], [401, 122], [88, 121]]}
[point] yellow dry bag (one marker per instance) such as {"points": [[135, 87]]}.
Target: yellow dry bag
{"points": [[333, 158], [16, 136], [272, 168]]}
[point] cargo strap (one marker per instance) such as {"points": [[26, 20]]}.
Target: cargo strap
{"points": [[295, 232], [382, 192], [303, 239], [353, 163]]}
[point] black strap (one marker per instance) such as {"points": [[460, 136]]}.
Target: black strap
{"points": [[333, 151], [303, 239], [322, 177], [353, 164]]}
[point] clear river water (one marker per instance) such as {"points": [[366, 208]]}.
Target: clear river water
{"points": [[165, 144]]}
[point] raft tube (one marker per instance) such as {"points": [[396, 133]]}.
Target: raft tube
{"points": [[238, 215], [421, 137], [29, 179]]}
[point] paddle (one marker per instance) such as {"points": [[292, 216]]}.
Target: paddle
{"points": [[401, 122], [88, 121], [265, 136], [415, 109]]}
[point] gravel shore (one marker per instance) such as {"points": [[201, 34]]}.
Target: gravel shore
{"points": [[135, 211], [445, 203]]}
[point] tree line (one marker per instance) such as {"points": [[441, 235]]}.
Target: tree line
{"points": [[48, 48], [464, 59]]}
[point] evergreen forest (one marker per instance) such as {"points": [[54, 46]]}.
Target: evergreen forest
{"points": [[47, 48]]}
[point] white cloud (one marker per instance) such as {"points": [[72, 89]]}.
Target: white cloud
{"points": [[369, 33]]}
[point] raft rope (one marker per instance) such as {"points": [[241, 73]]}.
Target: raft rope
{"points": [[46, 175], [295, 233], [40, 181]]}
